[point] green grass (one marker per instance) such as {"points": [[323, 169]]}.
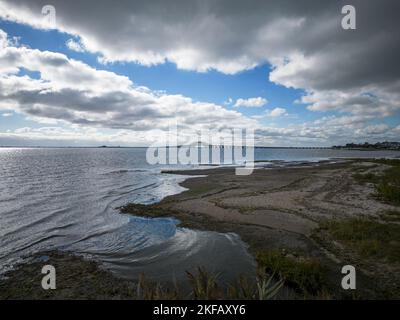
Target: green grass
{"points": [[389, 162], [363, 178], [204, 285], [389, 190], [247, 210], [387, 185], [308, 277], [369, 238], [390, 216]]}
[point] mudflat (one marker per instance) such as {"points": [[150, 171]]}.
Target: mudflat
{"points": [[291, 201], [285, 210]]}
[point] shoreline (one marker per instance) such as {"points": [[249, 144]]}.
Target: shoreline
{"points": [[280, 209], [278, 212]]}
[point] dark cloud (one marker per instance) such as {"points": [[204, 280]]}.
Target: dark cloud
{"points": [[303, 40]]}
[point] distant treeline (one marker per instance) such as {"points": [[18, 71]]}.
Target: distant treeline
{"points": [[379, 145]]}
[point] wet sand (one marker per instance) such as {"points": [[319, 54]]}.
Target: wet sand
{"points": [[279, 201]]}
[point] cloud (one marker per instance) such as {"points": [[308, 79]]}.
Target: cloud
{"points": [[303, 42], [352, 73], [3, 39], [184, 32], [91, 107], [7, 114], [251, 102], [71, 92], [276, 112], [375, 129], [75, 46]]}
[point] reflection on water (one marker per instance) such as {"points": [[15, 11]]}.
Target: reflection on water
{"points": [[66, 199]]}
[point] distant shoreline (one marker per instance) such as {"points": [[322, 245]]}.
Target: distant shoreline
{"points": [[256, 147]]}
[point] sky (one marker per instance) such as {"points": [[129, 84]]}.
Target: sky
{"points": [[120, 73]]}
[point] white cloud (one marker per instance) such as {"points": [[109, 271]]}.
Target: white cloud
{"points": [[7, 114], [75, 46], [251, 102], [374, 129], [3, 39], [276, 112], [71, 92]]}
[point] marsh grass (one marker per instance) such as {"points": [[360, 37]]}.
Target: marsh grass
{"points": [[204, 285], [389, 190], [369, 238], [390, 216], [307, 277], [247, 210], [364, 178], [387, 185], [149, 290]]}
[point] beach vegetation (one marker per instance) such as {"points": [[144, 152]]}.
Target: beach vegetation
{"points": [[305, 276], [205, 285], [364, 178], [387, 184], [367, 237], [390, 216]]}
